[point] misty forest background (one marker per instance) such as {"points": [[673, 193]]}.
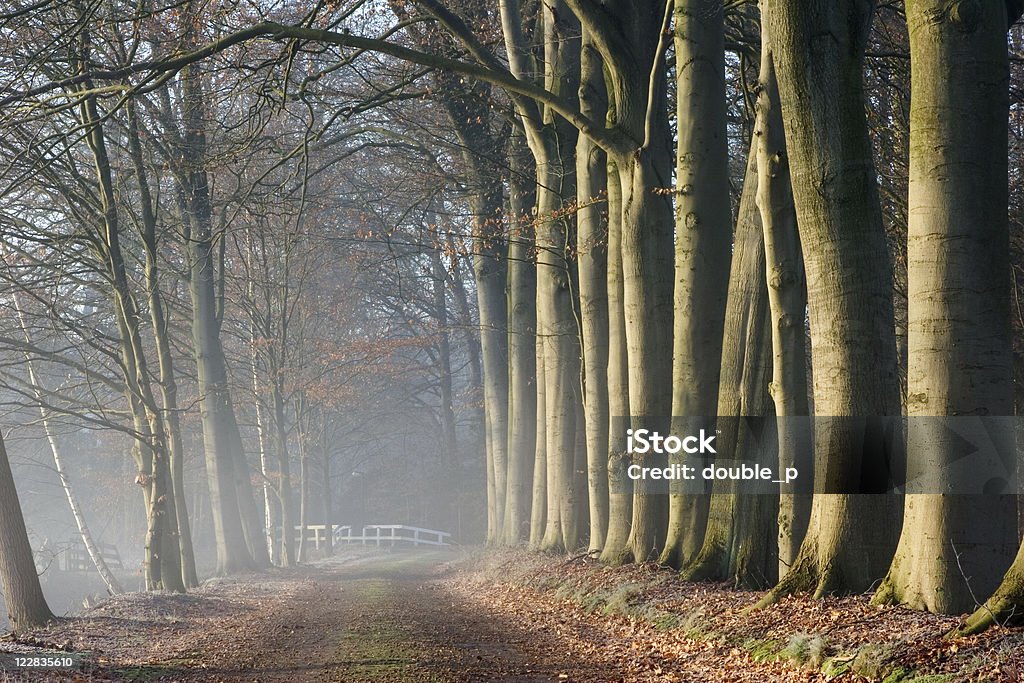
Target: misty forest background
{"points": [[275, 264]]}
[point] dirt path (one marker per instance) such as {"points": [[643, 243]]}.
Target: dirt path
{"points": [[386, 617], [506, 616]]}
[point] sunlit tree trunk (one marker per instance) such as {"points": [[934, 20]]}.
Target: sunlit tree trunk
{"points": [[539, 507], [787, 299], [620, 489], [632, 38], [550, 140], [168, 384], [703, 240], [592, 255], [955, 544], [271, 498], [522, 327], [818, 47], [162, 550]]}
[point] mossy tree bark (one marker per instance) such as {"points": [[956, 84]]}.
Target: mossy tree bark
{"points": [[818, 46], [956, 545]]}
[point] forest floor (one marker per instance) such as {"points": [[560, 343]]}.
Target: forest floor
{"points": [[503, 616]]}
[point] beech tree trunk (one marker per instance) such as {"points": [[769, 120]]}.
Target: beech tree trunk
{"points": [[703, 248], [522, 347], [818, 47], [620, 487], [956, 544], [787, 299], [592, 254], [23, 596], [739, 542], [539, 508]]}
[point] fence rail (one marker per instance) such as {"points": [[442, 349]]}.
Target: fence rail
{"points": [[76, 557], [373, 534]]}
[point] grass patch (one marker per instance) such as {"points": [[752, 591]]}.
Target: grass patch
{"points": [[146, 672], [805, 649], [762, 650]]}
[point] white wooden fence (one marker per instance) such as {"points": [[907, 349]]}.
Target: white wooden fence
{"points": [[387, 535]]}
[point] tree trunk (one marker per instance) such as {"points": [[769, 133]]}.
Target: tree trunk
{"points": [[703, 243], [444, 356], [539, 508], [522, 328], [550, 138], [559, 338], [620, 487], [167, 382], [957, 543], [739, 542], [647, 266], [592, 254], [818, 47], [787, 299], [284, 470], [23, 596], [271, 517], [211, 371], [162, 558]]}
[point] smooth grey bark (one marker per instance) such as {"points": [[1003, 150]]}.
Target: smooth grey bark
{"points": [[539, 508], [550, 138], [23, 596], [739, 540], [703, 227], [818, 46], [637, 140], [522, 346], [960, 361], [620, 488], [470, 116], [787, 300], [592, 255]]}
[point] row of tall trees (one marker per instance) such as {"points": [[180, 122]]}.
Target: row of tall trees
{"points": [[192, 263], [653, 299], [682, 213]]}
